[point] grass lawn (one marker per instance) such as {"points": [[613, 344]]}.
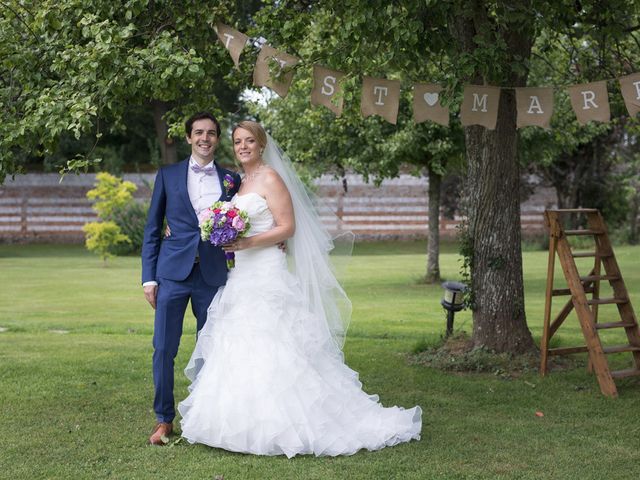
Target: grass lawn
{"points": [[76, 386]]}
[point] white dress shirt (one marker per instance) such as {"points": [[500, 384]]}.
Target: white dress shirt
{"points": [[204, 190]]}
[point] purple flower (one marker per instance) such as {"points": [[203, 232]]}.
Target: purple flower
{"points": [[228, 183]]}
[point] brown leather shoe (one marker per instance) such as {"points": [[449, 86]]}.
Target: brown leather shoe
{"points": [[160, 434]]}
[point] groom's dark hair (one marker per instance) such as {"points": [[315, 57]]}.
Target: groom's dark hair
{"points": [[188, 125]]}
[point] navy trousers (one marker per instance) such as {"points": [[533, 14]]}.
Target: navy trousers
{"points": [[171, 304]]}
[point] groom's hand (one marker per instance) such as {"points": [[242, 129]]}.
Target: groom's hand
{"points": [[150, 293]]}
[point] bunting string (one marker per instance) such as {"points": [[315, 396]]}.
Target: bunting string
{"points": [[534, 105]]}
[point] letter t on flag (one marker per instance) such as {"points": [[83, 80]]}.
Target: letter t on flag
{"points": [[327, 90], [630, 86], [233, 40], [380, 97]]}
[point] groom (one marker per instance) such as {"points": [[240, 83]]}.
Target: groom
{"points": [[182, 267]]}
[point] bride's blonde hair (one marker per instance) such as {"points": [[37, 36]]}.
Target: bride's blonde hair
{"points": [[256, 130]]}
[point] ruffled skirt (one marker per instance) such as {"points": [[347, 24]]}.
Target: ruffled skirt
{"points": [[268, 379]]}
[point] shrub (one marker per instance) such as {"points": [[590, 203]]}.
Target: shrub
{"points": [[114, 202], [102, 238]]}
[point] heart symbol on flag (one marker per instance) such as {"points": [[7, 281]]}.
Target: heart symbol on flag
{"points": [[431, 98]]}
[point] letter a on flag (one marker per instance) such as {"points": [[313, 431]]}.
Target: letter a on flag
{"points": [[283, 62], [535, 106]]}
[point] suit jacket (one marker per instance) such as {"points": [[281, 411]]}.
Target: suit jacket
{"points": [[173, 257]]}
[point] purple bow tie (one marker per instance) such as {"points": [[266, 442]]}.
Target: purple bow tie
{"points": [[206, 170]]}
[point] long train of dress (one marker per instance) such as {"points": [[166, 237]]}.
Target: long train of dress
{"points": [[267, 377]]}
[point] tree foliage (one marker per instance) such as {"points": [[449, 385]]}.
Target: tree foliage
{"points": [[77, 67]]}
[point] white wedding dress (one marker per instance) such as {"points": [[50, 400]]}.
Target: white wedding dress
{"points": [[267, 376]]}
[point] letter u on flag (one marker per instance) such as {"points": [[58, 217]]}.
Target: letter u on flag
{"points": [[590, 102], [535, 106], [480, 106], [233, 40], [380, 97], [327, 90], [262, 74]]}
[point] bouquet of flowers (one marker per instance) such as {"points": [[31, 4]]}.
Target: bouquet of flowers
{"points": [[222, 223]]}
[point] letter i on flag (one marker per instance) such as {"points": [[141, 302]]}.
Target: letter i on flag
{"points": [[233, 40], [327, 90]]}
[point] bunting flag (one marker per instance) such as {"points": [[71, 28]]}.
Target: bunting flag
{"points": [[327, 90], [590, 102], [630, 86], [534, 106], [233, 40], [380, 97], [262, 74], [480, 106], [427, 106]]}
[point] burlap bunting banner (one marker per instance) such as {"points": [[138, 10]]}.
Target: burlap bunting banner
{"points": [[327, 90], [380, 97], [534, 106], [233, 40], [480, 106], [261, 73], [590, 102], [427, 106], [630, 86]]}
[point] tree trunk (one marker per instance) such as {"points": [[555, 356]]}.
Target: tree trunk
{"points": [[433, 246], [493, 203], [168, 152], [493, 183]]}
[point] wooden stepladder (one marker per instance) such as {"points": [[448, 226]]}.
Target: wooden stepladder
{"points": [[587, 308]]}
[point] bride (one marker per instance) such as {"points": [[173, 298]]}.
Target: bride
{"points": [[268, 374]]}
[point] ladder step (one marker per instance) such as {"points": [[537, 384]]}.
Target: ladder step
{"points": [[630, 372], [590, 254], [583, 232], [567, 350], [621, 348], [574, 210], [565, 291], [602, 326], [595, 278], [606, 301]]}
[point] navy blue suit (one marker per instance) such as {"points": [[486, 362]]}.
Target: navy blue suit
{"points": [[172, 263]]}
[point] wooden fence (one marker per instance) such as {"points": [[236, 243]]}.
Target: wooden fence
{"points": [[38, 208]]}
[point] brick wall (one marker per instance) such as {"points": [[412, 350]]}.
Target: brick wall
{"points": [[40, 208]]}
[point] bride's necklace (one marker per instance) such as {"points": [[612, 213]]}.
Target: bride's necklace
{"points": [[254, 174]]}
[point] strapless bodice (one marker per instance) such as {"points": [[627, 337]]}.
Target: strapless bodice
{"points": [[261, 260], [256, 207]]}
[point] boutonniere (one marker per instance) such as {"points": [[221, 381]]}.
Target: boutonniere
{"points": [[228, 183]]}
